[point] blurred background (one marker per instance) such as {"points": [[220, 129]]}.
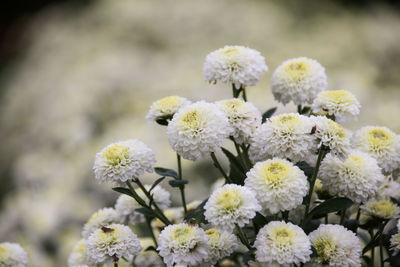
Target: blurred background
{"points": [[77, 75]]}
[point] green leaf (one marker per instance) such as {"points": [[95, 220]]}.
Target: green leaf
{"points": [[196, 216], [178, 183], [162, 122], [146, 212], [149, 248], [329, 206], [233, 159], [351, 224], [159, 180], [311, 226], [268, 114], [166, 172], [306, 168], [123, 190]]}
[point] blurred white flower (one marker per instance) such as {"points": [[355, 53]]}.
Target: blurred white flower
{"points": [[147, 258], [102, 217], [388, 188], [197, 130], [282, 244], [165, 108], [395, 243], [298, 80], [78, 256], [383, 209], [12, 255], [222, 244], [239, 65], [122, 161]]}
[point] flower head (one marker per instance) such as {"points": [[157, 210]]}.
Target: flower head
{"points": [[284, 136], [165, 108], [78, 256], [102, 217], [282, 244], [395, 243], [298, 80], [122, 161], [183, 244], [222, 244], [381, 143], [340, 103], [12, 255], [383, 209], [197, 130], [357, 177], [239, 65], [231, 204], [278, 184], [335, 246], [147, 258], [243, 117], [108, 244], [388, 188]]}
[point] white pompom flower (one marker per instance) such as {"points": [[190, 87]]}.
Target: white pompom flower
{"points": [[122, 161], [230, 205], [284, 136], [382, 209], [12, 255], [222, 244], [109, 244], [126, 206], [357, 177], [341, 104], [381, 143], [78, 256], [282, 244], [239, 65], [165, 108], [197, 130], [183, 245], [243, 117], [332, 135], [298, 80], [388, 188], [278, 184], [102, 217], [336, 246], [147, 258], [395, 243]]}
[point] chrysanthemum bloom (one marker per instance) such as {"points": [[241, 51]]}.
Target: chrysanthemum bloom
{"points": [[298, 80], [282, 244], [122, 161], [243, 117], [165, 108], [357, 177], [197, 130], [381, 143], [147, 258], [383, 209], [183, 245], [78, 256], [231, 204], [126, 206], [341, 104], [102, 217], [388, 188], [395, 243], [336, 246], [12, 255], [222, 244], [239, 65], [331, 134], [284, 136], [278, 184], [108, 244]]}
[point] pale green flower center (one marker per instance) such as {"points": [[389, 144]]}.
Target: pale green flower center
{"points": [[230, 51], [380, 137], [283, 236], [233, 104], [229, 200], [192, 119], [338, 96], [325, 248], [383, 208], [116, 153], [297, 69], [183, 233], [213, 234], [275, 172], [168, 103], [288, 120]]}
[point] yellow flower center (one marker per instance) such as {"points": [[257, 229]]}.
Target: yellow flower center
{"points": [[338, 96], [337, 129], [213, 234], [378, 137], [116, 153], [297, 69], [383, 208], [230, 51], [283, 235], [4, 251], [325, 248], [233, 104], [275, 172], [229, 200], [191, 119], [183, 233], [288, 120], [168, 103], [355, 159]]}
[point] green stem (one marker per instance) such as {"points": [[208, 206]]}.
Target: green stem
{"points": [[382, 226], [285, 215], [299, 109], [326, 219], [240, 154], [148, 222], [244, 94], [181, 188], [235, 92], [115, 264], [218, 166], [243, 237], [246, 155], [342, 216]]}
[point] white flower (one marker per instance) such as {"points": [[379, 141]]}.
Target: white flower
{"points": [[78, 256], [388, 188], [395, 243], [108, 244], [357, 177], [231, 204], [280, 243], [122, 161], [126, 206], [284, 136], [174, 215], [332, 135], [341, 104], [381, 143], [183, 245], [147, 258], [12, 255], [102, 217], [197, 130], [278, 184], [165, 108], [383, 209], [298, 80], [336, 246], [243, 117], [222, 244], [239, 65]]}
